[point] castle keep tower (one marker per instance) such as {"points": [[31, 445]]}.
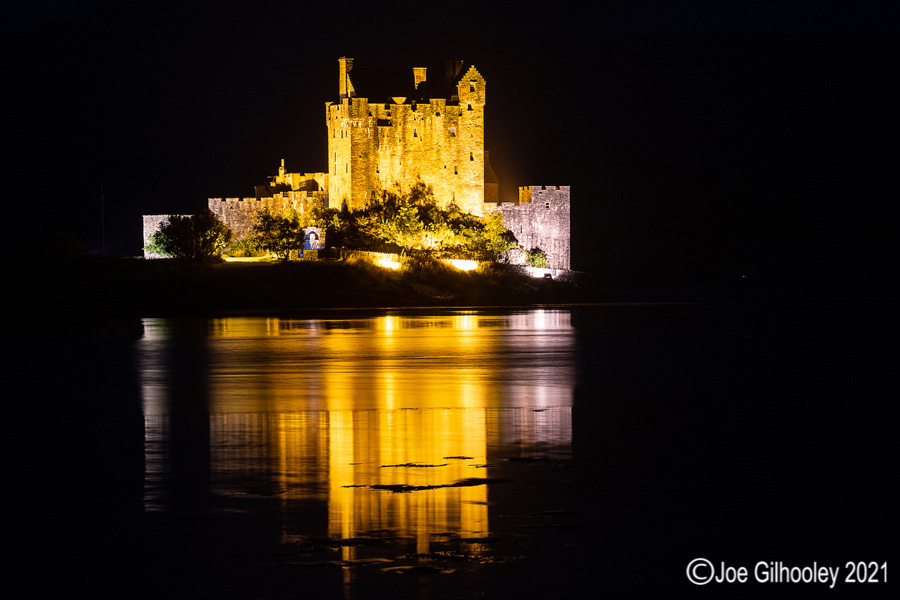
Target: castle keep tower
{"points": [[392, 128]]}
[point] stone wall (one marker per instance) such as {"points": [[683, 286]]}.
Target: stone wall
{"points": [[151, 226], [240, 213], [540, 219], [377, 146]]}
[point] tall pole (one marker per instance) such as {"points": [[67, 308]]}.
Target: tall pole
{"points": [[102, 219]]}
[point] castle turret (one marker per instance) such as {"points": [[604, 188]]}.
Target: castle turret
{"points": [[384, 133]]}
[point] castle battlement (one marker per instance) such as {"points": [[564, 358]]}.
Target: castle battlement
{"points": [[240, 213], [395, 131]]}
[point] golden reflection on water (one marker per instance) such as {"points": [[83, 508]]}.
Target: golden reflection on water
{"points": [[390, 420], [426, 451], [393, 361]]}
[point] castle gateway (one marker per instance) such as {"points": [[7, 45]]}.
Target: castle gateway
{"points": [[393, 128]]}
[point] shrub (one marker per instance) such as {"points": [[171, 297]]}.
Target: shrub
{"points": [[537, 258], [278, 234], [191, 237], [245, 247]]}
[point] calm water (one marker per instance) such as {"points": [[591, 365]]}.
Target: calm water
{"points": [[451, 454], [377, 445]]}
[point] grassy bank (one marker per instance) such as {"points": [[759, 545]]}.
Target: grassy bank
{"points": [[171, 286]]}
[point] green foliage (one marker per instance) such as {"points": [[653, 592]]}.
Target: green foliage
{"points": [[408, 223], [246, 247], [495, 238], [191, 237], [413, 223], [156, 246], [278, 234], [342, 230], [537, 258]]}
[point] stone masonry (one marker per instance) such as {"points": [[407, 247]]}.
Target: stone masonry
{"points": [[414, 136], [151, 226], [240, 213], [540, 220]]}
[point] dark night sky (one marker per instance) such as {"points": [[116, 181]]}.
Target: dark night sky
{"points": [[703, 143]]}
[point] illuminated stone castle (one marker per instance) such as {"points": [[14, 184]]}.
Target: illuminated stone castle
{"points": [[392, 129], [387, 131]]}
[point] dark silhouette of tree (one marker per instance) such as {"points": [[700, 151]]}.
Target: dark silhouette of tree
{"points": [[278, 234]]}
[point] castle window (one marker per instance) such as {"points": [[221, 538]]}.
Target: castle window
{"points": [[471, 88], [415, 132], [453, 132], [547, 204], [471, 156], [455, 171], [470, 106]]}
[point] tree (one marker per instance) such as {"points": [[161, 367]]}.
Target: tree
{"points": [[493, 238], [191, 237], [278, 234], [414, 222], [537, 258], [394, 218], [342, 229]]}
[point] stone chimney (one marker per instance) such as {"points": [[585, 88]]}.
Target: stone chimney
{"points": [[418, 75], [345, 87]]}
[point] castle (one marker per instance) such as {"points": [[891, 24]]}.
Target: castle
{"points": [[409, 128], [392, 128]]}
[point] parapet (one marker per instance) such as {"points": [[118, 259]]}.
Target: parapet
{"points": [[240, 213], [527, 192]]}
